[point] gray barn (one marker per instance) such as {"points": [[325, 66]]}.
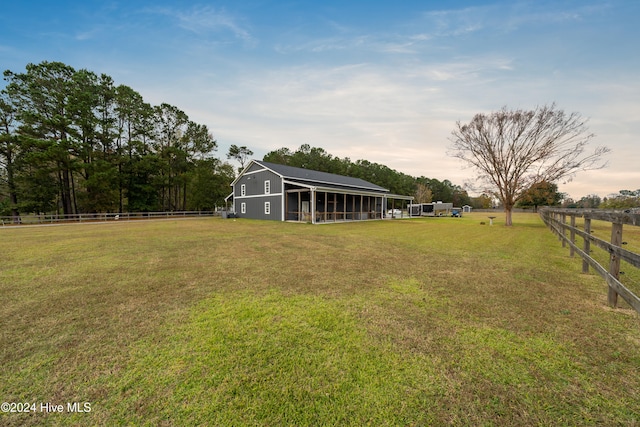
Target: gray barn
{"points": [[266, 190]]}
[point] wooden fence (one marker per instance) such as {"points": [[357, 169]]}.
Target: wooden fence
{"points": [[556, 220], [33, 219]]}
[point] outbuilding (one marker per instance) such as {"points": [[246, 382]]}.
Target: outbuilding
{"points": [[431, 209], [265, 190]]}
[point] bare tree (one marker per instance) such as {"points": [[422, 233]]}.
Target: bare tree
{"points": [[512, 150], [423, 193]]}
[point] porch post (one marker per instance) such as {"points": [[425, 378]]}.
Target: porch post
{"points": [[326, 196], [353, 207], [385, 203], [283, 205], [375, 207], [313, 206], [344, 212]]}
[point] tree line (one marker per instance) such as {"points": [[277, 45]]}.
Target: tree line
{"points": [[547, 194], [422, 188], [624, 199], [72, 141]]}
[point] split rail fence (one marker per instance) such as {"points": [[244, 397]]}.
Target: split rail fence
{"points": [[98, 217], [556, 220]]}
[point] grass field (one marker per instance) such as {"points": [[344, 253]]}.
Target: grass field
{"points": [[219, 322]]}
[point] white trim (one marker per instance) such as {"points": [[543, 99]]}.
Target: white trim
{"points": [[267, 208], [283, 215], [243, 190], [243, 208], [284, 181], [252, 162], [267, 168], [259, 195], [267, 186], [337, 190], [254, 172], [346, 186]]}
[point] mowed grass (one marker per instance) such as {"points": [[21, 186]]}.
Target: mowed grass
{"points": [[218, 322]]}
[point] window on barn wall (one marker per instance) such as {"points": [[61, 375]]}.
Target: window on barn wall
{"points": [[267, 187], [243, 190], [267, 208], [243, 208]]}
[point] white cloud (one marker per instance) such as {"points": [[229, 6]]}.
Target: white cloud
{"points": [[394, 98], [456, 22], [205, 19], [85, 35]]}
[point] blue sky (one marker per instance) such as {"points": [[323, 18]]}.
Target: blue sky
{"points": [[384, 81]]}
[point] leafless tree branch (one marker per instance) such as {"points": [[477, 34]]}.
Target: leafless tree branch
{"points": [[513, 149]]}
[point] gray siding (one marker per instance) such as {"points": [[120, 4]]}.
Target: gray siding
{"points": [[255, 208], [254, 181]]}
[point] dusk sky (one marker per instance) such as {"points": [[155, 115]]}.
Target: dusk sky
{"points": [[384, 81]]}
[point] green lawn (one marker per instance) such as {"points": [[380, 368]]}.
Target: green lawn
{"points": [[220, 322]]}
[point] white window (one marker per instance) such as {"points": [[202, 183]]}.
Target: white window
{"points": [[243, 208], [243, 190], [267, 208], [267, 187]]}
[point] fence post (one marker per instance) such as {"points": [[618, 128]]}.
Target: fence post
{"points": [[587, 244], [563, 218], [614, 261], [558, 219], [572, 234]]}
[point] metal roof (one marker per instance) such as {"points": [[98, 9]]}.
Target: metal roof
{"points": [[320, 179]]}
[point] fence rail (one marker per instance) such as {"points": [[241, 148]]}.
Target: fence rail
{"points": [[556, 220], [34, 219]]}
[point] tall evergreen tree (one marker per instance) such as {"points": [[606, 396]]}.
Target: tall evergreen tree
{"points": [[41, 96], [8, 152]]}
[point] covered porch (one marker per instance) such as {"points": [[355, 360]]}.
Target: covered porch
{"points": [[325, 204]]}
